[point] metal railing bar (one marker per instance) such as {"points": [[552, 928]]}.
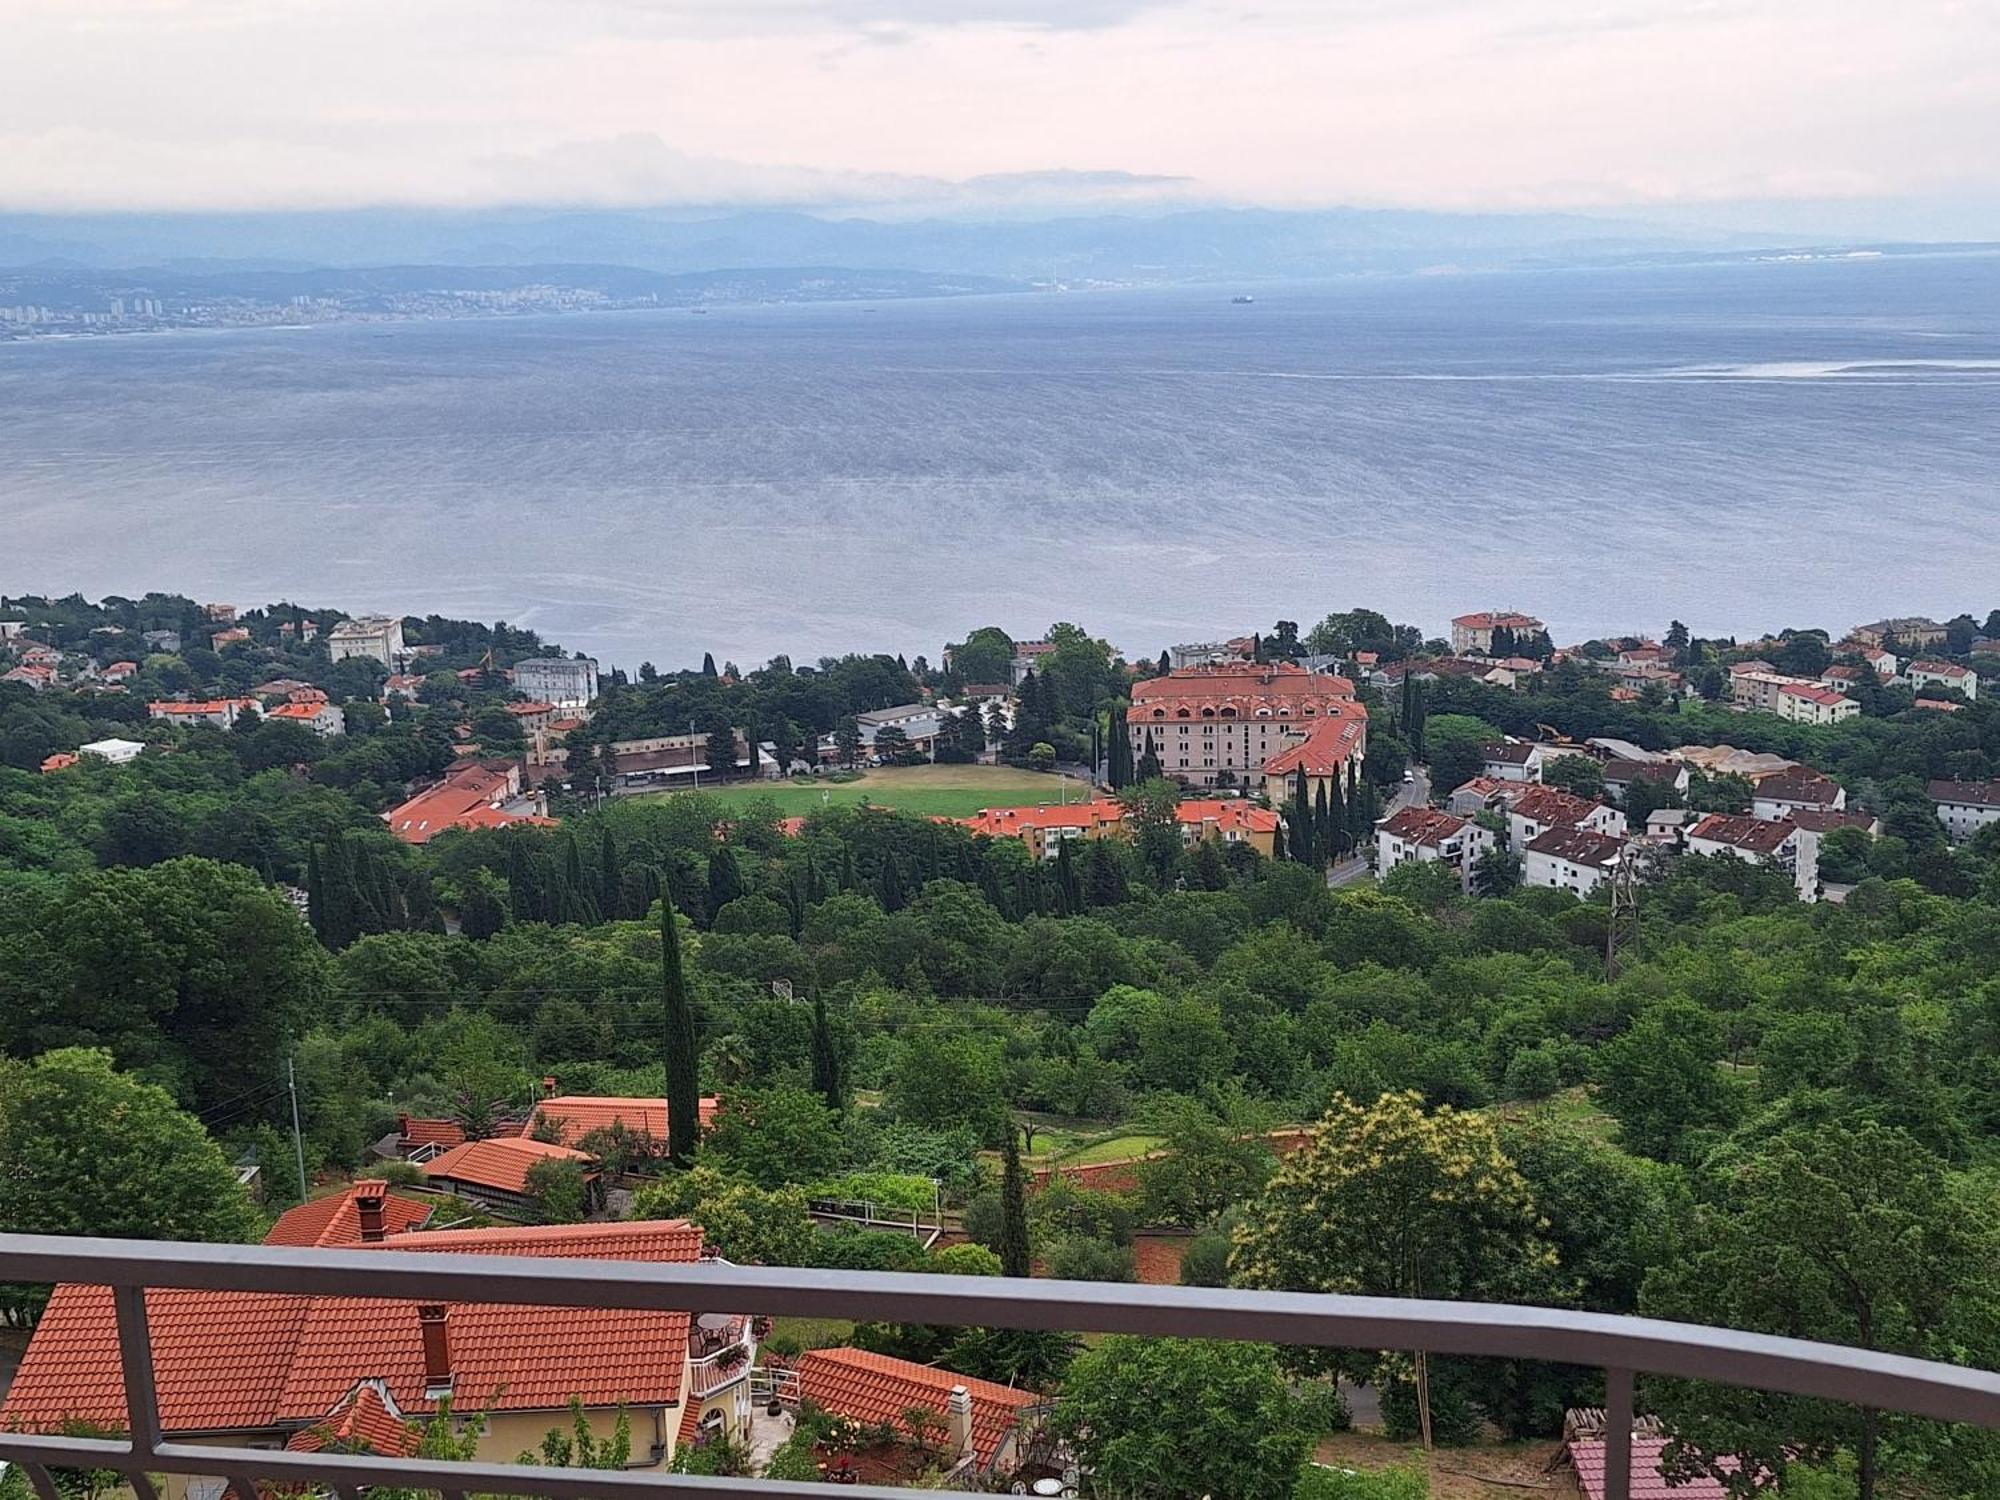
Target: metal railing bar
{"points": [[135, 1351], [1617, 1435], [341, 1471], [43, 1481], [1950, 1393], [142, 1483]]}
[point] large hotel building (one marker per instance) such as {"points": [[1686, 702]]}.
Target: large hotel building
{"points": [[1218, 725]]}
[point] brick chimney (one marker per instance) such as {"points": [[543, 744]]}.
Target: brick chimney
{"points": [[368, 1201], [433, 1319], [959, 1415]]}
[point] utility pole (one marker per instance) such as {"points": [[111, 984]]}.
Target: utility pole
{"points": [[298, 1141], [1623, 926], [693, 759]]}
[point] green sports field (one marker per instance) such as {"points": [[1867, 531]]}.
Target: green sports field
{"points": [[941, 791]]}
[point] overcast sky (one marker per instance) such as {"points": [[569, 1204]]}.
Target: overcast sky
{"points": [[1489, 104]]}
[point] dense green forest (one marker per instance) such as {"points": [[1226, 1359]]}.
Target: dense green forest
{"points": [[1665, 1125]]}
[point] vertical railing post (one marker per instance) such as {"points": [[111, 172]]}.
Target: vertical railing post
{"points": [[1617, 1435], [142, 1401]]}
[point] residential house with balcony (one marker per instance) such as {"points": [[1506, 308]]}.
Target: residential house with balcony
{"points": [[1757, 840], [1965, 807], [1542, 808], [1571, 859], [221, 713], [1942, 674], [323, 718], [1809, 703], [1511, 760], [1423, 835], [1795, 789]]}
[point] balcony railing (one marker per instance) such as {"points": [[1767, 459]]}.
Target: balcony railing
{"points": [[1619, 1346]]}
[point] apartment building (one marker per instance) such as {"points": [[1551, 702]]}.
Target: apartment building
{"points": [[1218, 725]]}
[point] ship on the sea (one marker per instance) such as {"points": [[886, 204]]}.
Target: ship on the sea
{"points": [[1243, 300]]}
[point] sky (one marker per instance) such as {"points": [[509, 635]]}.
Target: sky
{"points": [[919, 106]]}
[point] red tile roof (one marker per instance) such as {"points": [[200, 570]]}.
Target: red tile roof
{"points": [[1579, 846], [233, 1360], [298, 710], [363, 1423], [1326, 751], [1281, 689], [1422, 825], [62, 760], [1965, 793], [582, 1113], [335, 1220], [1800, 784], [1496, 619], [1228, 814], [1648, 1483], [417, 1131], [1757, 835], [1012, 822], [1824, 697], [468, 797], [874, 1388], [1553, 807], [501, 1164], [1826, 820]]}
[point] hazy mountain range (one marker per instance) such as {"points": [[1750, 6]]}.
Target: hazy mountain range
{"points": [[1204, 244]]}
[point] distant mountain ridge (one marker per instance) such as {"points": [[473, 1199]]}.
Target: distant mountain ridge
{"points": [[1199, 244]]}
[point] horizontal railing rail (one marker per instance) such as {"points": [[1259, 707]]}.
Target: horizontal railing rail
{"points": [[1620, 1346]]}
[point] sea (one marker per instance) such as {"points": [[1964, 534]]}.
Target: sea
{"points": [[1743, 447]]}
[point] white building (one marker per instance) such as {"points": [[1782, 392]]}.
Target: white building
{"points": [[321, 717], [565, 681], [376, 637], [1809, 703], [1423, 835], [116, 751], [1965, 807], [1542, 808], [1571, 859], [1757, 840], [1472, 635], [1511, 760], [1796, 789], [1943, 674]]}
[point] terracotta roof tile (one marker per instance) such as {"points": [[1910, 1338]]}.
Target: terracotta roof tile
{"points": [[580, 1114], [874, 1388], [363, 1423], [233, 1360], [336, 1219], [1648, 1483], [502, 1163]]}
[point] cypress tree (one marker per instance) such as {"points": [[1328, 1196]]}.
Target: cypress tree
{"points": [[1323, 832], [995, 893], [889, 885], [523, 896], [1069, 895], [725, 879], [610, 879], [1166, 664], [1278, 842], [640, 888], [578, 906], [1148, 768], [827, 1079], [1016, 1257], [683, 1059], [482, 915], [708, 664], [1118, 754], [315, 892], [1343, 835]]}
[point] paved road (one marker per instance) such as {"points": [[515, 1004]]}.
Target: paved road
{"points": [[1411, 793]]}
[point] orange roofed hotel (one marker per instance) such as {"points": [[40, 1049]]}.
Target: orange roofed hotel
{"points": [[1233, 724], [1045, 829]]}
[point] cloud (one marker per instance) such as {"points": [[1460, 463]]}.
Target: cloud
{"points": [[907, 106]]}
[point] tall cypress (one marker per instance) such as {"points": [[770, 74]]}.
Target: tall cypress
{"points": [[1016, 1257], [610, 879], [1323, 833], [315, 892], [1343, 834], [827, 1072], [578, 907], [1148, 768], [1118, 754], [683, 1060]]}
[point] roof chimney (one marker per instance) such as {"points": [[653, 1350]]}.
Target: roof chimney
{"points": [[433, 1321], [368, 1200], [959, 1407]]}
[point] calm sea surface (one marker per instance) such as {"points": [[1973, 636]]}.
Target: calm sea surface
{"points": [[1742, 447]]}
